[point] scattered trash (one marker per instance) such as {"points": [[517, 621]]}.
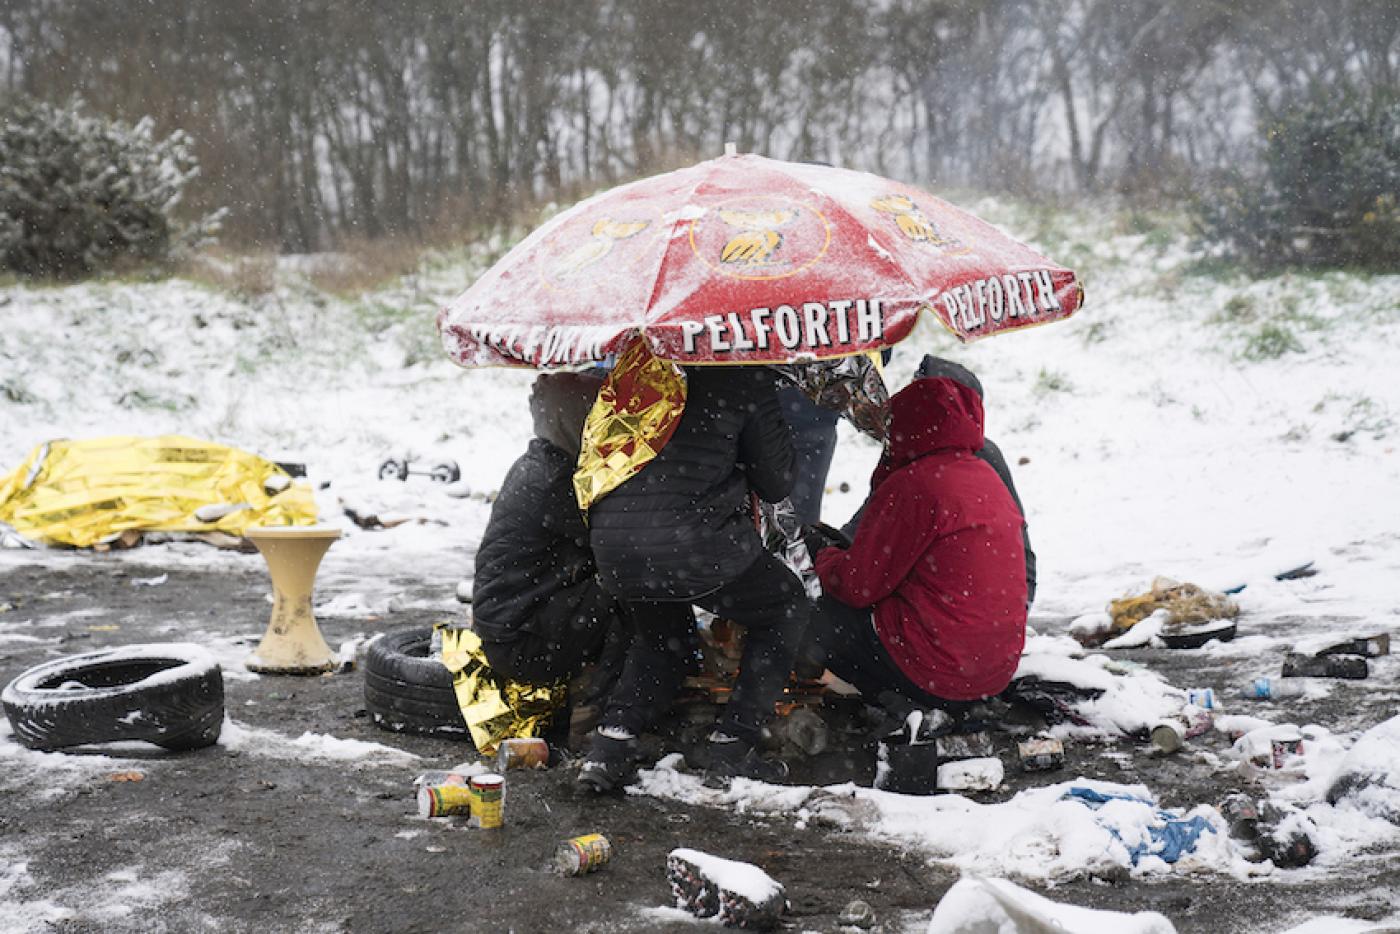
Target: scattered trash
{"points": [[977, 745], [1368, 777], [1185, 604], [1168, 736], [216, 511], [129, 776], [1202, 697], [579, 856], [1041, 755], [488, 801], [977, 906], [526, 753], [396, 469], [1195, 635], [1367, 646], [1283, 836], [442, 777], [857, 914], [1348, 667], [741, 894], [1169, 837], [445, 800], [1269, 749], [1271, 689], [150, 581], [984, 774]]}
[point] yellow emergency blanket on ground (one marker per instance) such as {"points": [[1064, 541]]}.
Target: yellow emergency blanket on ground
{"points": [[82, 492], [494, 708], [637, 410]]}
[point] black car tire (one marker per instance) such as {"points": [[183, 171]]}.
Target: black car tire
{"points": [[408, 692], [170, 694]]}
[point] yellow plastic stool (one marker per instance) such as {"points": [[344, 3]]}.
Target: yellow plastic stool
{"points": [[293, 644]]}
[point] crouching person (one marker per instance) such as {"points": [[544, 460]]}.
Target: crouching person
{"points": [[680, 532], [929, 601], [537, 604]]}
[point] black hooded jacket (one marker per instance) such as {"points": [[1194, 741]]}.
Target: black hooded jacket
{"points": [[534, 569], [989, 452], [682, 526]]}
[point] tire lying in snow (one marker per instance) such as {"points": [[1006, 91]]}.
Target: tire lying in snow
{"points": [[406, 691], [170, 694]]}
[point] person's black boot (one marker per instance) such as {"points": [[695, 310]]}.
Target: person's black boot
{"points": [[732, 758], [611, 764]]}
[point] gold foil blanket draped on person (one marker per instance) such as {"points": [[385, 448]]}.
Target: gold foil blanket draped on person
{"points": [[80, 493], [638, 408]]}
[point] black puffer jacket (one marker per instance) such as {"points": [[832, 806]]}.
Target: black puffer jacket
{"points": [[534, 569], [989, 452], [682, 526]]}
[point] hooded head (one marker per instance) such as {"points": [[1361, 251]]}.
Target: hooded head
{"points": [[933, 414], [938, 366], [559, 405]]}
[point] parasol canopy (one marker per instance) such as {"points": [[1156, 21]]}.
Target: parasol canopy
{"points": [[744, 259]]}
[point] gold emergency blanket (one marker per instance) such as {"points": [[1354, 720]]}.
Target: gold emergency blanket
{"points": [[636, 413], [495, 709], [1186, 603], [82, 492]]}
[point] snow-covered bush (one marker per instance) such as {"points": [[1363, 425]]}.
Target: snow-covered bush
{"points": [[1328, 193], [78, 192]]}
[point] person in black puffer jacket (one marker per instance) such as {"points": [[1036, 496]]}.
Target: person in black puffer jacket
{"points": [[537, 604], [681, 532]]}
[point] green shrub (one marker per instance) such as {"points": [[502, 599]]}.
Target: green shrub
{"points": [[1271, 342], [78, 193], [1327, 192]]}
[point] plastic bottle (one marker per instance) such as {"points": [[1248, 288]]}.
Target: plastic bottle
{"points": [[1272, 688]]}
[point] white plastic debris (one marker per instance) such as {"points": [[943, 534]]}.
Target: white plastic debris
{"points": [[971, 774], [995, 906]]}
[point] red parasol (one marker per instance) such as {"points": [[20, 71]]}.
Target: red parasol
{"points": [[744, 259]]}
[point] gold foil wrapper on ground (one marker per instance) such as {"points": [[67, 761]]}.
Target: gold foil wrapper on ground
{"points": [[494, 708], [636, 413], [82, 492]]}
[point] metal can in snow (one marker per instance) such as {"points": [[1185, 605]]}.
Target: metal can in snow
{"points": [[1039, 755], [1201, 697], [1283, 750], [528, 753], [1168, 736], [444, 800], [1242, 814], [488, 801], [580, 855]]}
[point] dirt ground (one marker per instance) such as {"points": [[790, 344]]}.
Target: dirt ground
{"points": [[273, 844]]}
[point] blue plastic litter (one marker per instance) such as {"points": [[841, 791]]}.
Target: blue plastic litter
{"points": [[1170, 840]]}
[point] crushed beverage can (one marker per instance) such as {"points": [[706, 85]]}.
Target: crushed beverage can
{"points": [[1202, 697], [440, 777], [580, 855], [528, 753], [1284, 749], [488, 801], [1168, 736], [964, 746], [444, 800], [1039, 755]]}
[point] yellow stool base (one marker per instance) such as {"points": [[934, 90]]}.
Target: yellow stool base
{"points": [[293, 644]]}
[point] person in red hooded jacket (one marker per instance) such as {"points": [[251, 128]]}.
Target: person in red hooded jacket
{"points": [[929, 601]]}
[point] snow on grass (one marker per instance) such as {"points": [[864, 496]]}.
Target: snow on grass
{"points": [[309, 747]]}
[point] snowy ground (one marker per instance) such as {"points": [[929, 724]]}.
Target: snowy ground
{"points": [[1187, 422]]}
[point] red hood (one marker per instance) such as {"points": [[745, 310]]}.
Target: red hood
{"points": [[930, 415]]}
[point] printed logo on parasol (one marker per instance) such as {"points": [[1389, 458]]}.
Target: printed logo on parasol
{"points": [[760, 238], [603, 235], [915, 224]]}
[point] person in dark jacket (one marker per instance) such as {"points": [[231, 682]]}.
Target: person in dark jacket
{"points": [[681, 532], [537, 605], [929, 601]]}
